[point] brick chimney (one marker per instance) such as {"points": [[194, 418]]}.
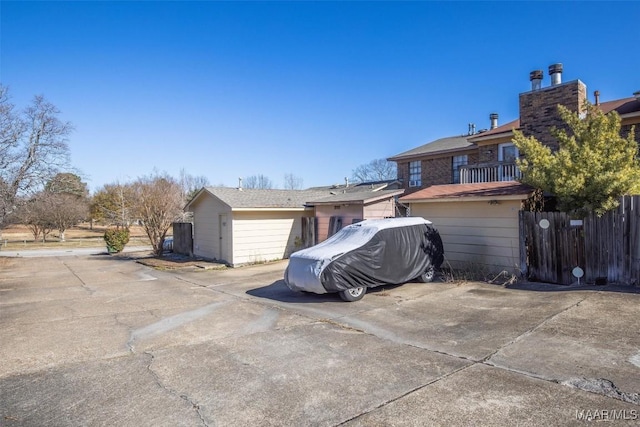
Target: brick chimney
{"points": [[539, 107]]}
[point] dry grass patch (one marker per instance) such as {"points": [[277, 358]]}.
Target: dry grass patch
{"points": [[19, 237]]}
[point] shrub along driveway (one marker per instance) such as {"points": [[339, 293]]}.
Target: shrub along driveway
{"points": [[96, 340]]}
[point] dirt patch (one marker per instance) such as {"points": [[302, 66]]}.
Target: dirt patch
{"points": [[173, 261]]}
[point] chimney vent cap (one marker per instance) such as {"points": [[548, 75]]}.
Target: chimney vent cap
{"points": [[536, 75], [555, 71], [555, 68]]}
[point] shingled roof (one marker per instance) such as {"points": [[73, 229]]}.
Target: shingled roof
{"points": [[247, 198], [466, 191], [360, 197], [442, 145]]}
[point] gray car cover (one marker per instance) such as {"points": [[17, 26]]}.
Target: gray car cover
{"points": [[369, 253]]}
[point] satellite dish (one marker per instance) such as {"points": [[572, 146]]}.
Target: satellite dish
{"points": [[544, 223]]}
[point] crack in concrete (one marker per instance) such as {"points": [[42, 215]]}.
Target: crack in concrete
{"points": [[82, 282], [531, 330], [603, 387], [170, 323], [420, 387], [194, 404]]}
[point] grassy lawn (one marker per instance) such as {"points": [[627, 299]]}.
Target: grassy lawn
{"points": [[19, 237]]}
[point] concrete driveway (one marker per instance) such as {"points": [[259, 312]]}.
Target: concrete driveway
{"points": [[95, 340]]}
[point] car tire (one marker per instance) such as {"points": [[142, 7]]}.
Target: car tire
{"points": [[428, 275], [353, 294]]}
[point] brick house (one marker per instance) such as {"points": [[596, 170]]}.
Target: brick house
{"points": [[467, 185], [489, 155]]}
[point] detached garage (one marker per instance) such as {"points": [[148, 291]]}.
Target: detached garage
{"points": [[478, 223], [243, 226]]}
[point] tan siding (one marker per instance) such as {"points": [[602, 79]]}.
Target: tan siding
{"points": [[383, 209], [265, 236], [206, 234], [476, 232]]}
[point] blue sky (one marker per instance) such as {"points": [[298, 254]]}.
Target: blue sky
{"points": [[233, 89]]}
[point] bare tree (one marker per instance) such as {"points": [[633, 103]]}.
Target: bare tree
{"points": [[33, 213], [33, 148], [258, 181], [158, 203], [292, 182], [375, 170], [191, 184], [64, 210]]}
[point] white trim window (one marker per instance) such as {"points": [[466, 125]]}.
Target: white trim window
{"points": [[507, 152], [507, 156], [456, 162], [415, 173]]}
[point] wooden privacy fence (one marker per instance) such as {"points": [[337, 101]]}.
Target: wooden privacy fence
{"points": [[309, 232], [607, 249], [183, 238]]}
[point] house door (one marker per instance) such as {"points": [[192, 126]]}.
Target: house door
{"points": [[507, 156], [223, 238]]}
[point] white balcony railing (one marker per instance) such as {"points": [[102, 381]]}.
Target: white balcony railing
{"points": [[489, 172]]}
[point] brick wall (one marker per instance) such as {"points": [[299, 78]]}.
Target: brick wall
{"points": [[436, 171], [539, 109], [486, 154], [625, 129]]}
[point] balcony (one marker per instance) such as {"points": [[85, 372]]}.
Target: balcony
{"points": [[489, 172]]}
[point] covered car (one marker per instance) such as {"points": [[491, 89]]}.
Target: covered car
{"points": [[367, 254]]}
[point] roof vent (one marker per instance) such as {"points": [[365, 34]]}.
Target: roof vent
{"points": [[240, 183], [555, 71], [536, 79], [494, 120], [637, 95], [596, 95]]}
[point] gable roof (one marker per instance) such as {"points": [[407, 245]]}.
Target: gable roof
{"points": [[502, 189], [621, 106], [247, 198], [442, 145]]}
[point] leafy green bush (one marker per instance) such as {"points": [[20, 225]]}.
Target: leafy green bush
{"points": [[116, 239]]}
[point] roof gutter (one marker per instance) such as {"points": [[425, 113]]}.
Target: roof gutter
{"points": [[492, 136], [431, 153], [300, 209], [469, 199]]}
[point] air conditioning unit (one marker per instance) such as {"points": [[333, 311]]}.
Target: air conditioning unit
{"points": [[414, 183]]}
